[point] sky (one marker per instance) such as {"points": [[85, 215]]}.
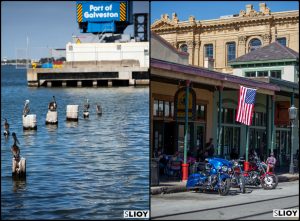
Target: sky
{"points": [[203, 10], [47, 24]]}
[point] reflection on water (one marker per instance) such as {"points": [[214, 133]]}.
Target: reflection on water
{"points": [[19, 184], [91, 169]]}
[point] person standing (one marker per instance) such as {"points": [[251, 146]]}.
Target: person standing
{"points": [[210, 148], [271, 161]]}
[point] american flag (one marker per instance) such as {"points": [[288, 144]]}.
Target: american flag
{"points": [[246, 105]]}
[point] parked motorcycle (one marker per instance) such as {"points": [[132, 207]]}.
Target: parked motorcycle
{"points": [[237, 178], [257, 175], [215, 177]]}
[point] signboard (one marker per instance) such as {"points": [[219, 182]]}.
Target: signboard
{"points": [[180, 97], [101, 11]]}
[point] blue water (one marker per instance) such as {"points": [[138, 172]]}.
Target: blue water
{"points": [[91, 169]]}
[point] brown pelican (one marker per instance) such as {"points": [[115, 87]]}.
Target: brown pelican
{"points": [[15, 149], [86, 106], [99, 109], [52, 105], [26, 109], [6, 128]]}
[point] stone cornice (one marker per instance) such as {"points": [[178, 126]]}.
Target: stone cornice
{"points": [[163, 25]]}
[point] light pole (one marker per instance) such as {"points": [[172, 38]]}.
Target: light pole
{"points": [[292, 116]]}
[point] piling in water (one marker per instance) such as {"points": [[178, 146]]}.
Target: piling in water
{"points": [[72, 112], [86, 114], [29, 122], [19, 168], [51, 117]]}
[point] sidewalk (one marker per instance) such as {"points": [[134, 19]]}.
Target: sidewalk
{"points": [[179, 186]]}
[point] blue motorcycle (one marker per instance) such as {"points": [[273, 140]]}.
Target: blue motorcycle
{"points": [[215, 177]]}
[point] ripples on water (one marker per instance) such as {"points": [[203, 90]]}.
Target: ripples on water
{"points": [[91, 169]]}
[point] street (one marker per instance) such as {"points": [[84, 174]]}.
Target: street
{"points": [[256, 203]]}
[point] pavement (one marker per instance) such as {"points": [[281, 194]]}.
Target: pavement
{"points": [[173, 186]]}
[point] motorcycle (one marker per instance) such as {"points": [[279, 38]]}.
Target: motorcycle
{"points": [[214, 177], [237, 178], [257, 175]]}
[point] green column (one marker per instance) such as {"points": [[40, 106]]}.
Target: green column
{"points": [[186, 120], [220, 120], [272, 124]]}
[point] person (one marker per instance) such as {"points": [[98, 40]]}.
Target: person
{"points": [[174, 163], [271, 161], [252, 155], [162, 162], [234, 154], [210, 148]]}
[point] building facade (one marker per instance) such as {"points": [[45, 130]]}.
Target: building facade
{"points": [[214, 43]]}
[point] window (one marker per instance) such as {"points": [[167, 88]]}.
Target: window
{"points": [[167, 109], [259, 119], [209, 51], [276, 74], [155, 109], [282, 41], [250, 74], [262, 74], [184, 47], [254, 44], [230, 51], [201, 111], [163, 108], [228, 116]]}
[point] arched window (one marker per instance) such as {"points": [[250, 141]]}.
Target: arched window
{"points": [[231, 49], [254, 44], [184, 48]]}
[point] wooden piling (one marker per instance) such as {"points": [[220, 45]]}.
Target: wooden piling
{"points": [[29, 122], [19, 168], [51, 117], [72, 112]]}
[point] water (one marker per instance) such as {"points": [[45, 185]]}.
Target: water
{"points": [[91, 169]]}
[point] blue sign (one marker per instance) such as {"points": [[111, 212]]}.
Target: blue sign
{"points": [[101, 11]]}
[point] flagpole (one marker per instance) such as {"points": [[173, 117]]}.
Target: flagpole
{"points": [[247, 142]]}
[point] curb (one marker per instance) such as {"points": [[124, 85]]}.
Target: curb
{"points": [[176, 189]]}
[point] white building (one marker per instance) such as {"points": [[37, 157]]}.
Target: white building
{"points": [[135, 51]]}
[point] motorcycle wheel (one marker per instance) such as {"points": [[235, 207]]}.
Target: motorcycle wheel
{"points": [[269, 182], [225, 187], [242, 184]]}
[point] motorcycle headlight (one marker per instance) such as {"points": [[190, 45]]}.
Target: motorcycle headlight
{"points": [[224, 168], [229, 169]]}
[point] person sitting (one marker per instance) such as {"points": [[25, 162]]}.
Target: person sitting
{"points": [[271, 161], [174, 164]]}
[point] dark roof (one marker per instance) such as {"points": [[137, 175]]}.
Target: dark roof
{"points": [[206, 73], [273, 51]]}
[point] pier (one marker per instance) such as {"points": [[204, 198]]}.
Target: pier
{"points": [[90, 74]]}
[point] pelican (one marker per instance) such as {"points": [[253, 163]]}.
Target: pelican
{"points": [[6, 128], [15, 149], [26, 109], [86, 106], [99, 109], [52, 105]]}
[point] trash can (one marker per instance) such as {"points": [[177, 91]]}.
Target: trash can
{"points": [[154, 172]]}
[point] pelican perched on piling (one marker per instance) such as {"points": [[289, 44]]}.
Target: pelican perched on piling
{"points": [[26, 109], [86, 106], [86, 109], [52, 105], [14, 148], [6, 128], [99, 109]]}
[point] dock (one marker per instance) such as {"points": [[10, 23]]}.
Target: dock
{"points": [[90, 74]]}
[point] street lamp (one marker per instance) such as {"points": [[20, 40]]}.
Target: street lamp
{"points": [[292, 116]]}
